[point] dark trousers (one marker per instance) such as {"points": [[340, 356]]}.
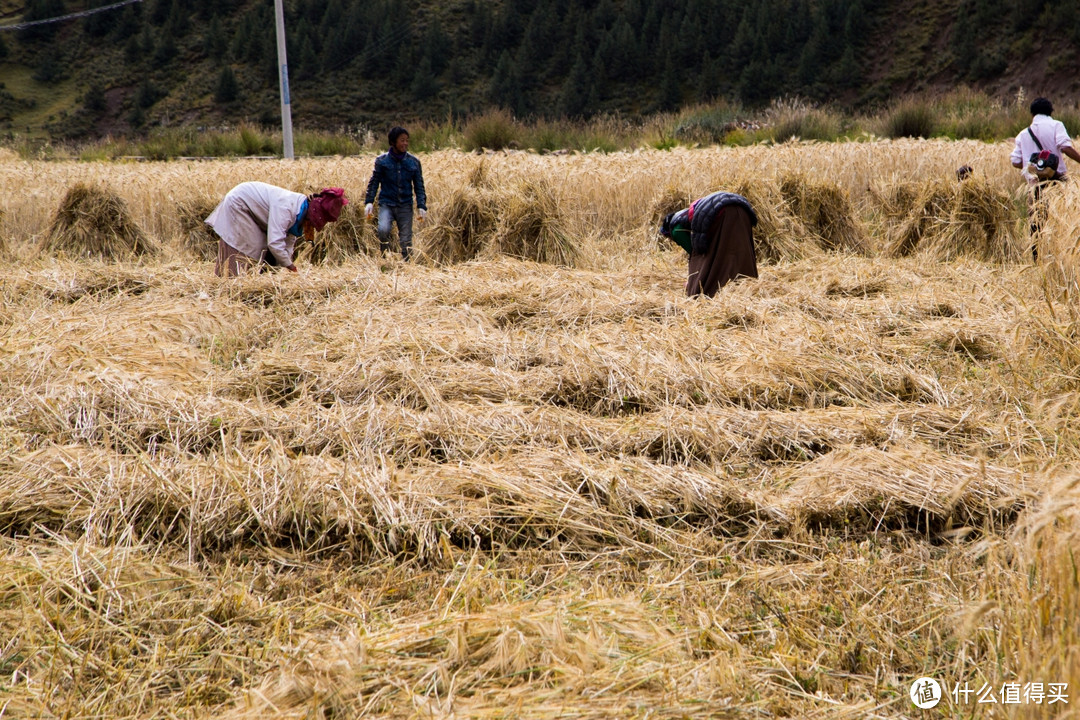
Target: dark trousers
{"points": [[1037, 211], [402, 215]]}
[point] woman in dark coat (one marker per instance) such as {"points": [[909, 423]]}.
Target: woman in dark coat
{"points": [[718, 232]]}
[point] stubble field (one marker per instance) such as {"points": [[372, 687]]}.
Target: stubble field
{"points": [[507, 488]]}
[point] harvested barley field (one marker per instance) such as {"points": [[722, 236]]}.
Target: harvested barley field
{"points": [[524, 476]]}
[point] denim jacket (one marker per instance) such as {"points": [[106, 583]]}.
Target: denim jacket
{"points": [[397, 178]]}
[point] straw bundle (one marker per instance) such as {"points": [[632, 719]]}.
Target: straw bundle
{"points": [[1059, 246], [780, 235], [350, 235], [198, 237], [670, 199], [464, 226], [948, 220], [93, 221], [526, 222], [826, 210], [531, 225], [467, 220]]}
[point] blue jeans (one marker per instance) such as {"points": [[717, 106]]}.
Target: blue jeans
{"points": [[402, 215]]}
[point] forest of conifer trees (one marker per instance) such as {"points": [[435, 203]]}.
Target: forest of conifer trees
{"points": [[365, 60]]}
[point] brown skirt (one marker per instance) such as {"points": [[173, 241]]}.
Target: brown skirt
{"points": [[730, 254], [233, 263]]}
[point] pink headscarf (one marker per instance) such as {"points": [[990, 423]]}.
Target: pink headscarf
{"points": [[325, 206]]}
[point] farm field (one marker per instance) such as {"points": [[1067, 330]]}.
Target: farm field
{"points": [[508, 488]]}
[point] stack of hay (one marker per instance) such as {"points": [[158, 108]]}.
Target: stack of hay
{"points": [[531, 225], [93, 221], [827, 212], [467, 222], [198, 238], [949, 219], [349, 236], [525, 221]]}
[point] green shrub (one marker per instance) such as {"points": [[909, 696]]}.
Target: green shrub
{"points": [[317, 144], [913, 117], [494, 130], [705, 124], [807, 124], [439, 136], [258, 142]]}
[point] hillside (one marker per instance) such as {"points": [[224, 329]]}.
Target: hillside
{"points": [[352, 63]]}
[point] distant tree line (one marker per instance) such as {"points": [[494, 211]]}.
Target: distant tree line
{"points": [[543, 58]]}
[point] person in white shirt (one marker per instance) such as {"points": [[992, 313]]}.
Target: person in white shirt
{"points": [[259, 223], [1044, 133]]}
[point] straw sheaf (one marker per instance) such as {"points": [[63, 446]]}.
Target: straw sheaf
{"points": [[1059, 249], [350, 235], [93, 221], [948, 220], [197, 237], [827, 211], [884, 487]]}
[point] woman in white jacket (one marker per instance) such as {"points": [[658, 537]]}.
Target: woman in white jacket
{"points": [[259, 223]]}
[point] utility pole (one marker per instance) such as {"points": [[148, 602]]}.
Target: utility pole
{"points": [[283, 76]]}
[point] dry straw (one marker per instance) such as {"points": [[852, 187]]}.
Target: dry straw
{"points": [[348, 237], [525, 221], [197, 237], [531, 225], [826, 211], [948, 220], [93, 221]]}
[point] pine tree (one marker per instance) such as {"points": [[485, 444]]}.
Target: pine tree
{"points": [[504, 90], [215, 44], [227, 89], [670, 93], [575, 90], [424, 85], [41, 10], [94, 99], [165, 51]]}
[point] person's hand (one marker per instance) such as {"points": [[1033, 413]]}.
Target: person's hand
{"points": [[292, 268], [422, 212], [367, 211]]}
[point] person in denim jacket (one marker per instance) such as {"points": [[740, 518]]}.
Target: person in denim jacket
{"points": [[397, 172]]}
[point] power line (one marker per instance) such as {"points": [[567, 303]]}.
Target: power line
{"points": [[71, 16]]}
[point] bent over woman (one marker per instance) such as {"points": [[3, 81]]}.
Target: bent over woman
{"points": [[718, 233], [257, 225]]}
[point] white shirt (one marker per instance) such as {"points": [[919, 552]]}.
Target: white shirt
{"points": [[256, 216], [1051, 134]]}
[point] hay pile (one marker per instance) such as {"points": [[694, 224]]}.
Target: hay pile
{"points": [[797, 216], [481, 218], [197, 237], [780, 234], [827, 213], [670, 199], [350, 235], [93, 221], [948, 219], [531, 225]]}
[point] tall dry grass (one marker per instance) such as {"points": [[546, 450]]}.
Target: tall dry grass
{"points": [[408, 490]]}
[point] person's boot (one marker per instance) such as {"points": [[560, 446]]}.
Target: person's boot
{"points": [[406, 252], [384, 248]]}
